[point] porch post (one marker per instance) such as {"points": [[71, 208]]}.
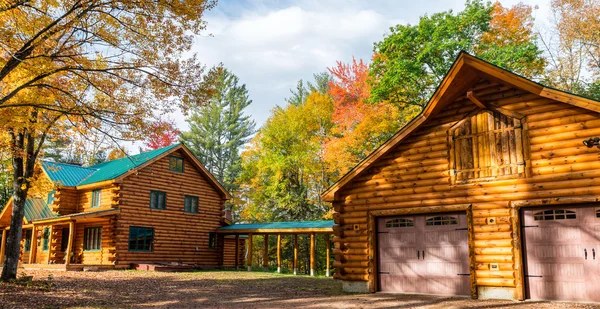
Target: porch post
{"points": [[312, 254], [279, 253], [328, 245], [33, 245], [49, 244], [70, 243], [266, 253], [295, 254], [237, 250], [3, 249], [249, 257]]}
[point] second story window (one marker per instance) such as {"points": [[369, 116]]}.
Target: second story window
{"points": [[190, 204], [158, 200], [176, 164], [96, 198]]}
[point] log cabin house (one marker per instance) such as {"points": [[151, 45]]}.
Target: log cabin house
{"points": [[160, 206], [490, 192]]}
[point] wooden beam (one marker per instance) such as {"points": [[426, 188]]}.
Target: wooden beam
{"points": [[276, 231], [266, 253], [312, 254], [279, 253], [475, 100], [517, 247], [473, 97], [249, 257], [237, 251], [3, 248], [328, 246], [296, 254], [33, 246], [49, 244], [70, 242]]}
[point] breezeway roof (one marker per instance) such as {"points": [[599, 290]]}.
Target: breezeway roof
{"points": [[324, 226]]}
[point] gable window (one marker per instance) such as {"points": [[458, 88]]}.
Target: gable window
{"points": [[158, 200], [398, 223], [176, 164], [190, 204], [96, 198], [441, 220], [212, 240], [27, 246], [51, 197], [65, 239], [554, 214], [141, 239], [486, 146], [92, 238], [45, 239]]}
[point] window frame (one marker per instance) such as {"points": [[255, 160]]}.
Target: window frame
{"points": [[212, 240], [137, 229], [86, 231], [158, 193], [443, 220], [27, 243], [554, 214], [399, 223], [176, 167], [96, 200], [45, 239], [191, 198]]}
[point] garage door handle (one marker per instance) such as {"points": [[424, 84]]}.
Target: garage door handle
{"points": [[418, 255], [423, 254], [594, 253], [585, 253]]}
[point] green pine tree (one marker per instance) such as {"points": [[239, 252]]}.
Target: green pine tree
{"points": [[219, 128]]}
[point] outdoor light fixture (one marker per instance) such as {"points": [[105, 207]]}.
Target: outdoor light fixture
{"points": [[593, 141]]}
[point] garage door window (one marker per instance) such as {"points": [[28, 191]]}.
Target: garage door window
{"points": [[598, 213], [399, 223], [441, 220], [554, 214]]}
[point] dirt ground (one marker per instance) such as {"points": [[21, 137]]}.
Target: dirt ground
{"points": [[215, 289]]}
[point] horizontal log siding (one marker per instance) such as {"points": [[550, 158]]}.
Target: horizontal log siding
{"points": [[65, 201], [416, 174], [109, 198], [177, 234], [106, 254], [229, 252]]}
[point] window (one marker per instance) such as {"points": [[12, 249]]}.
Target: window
{"points": [[176, 164], [27, 246], [158, 200], [212, 240], [141, 238], [92, 238], [45, 239], [441, 220], [598, 213], [554, 214], [51, 197], [486, 146], [399, 223], [96, 198], [65, 239], [190, 204]]}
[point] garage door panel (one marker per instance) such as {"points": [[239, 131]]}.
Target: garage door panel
{"points": [[404, 269], [395, 254], [447, 286], [558, 290], [395, 283], [557, 269], [549, 251]]}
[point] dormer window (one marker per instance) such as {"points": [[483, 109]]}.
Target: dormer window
{"points": [[96, 198], [486, 146], [176, 164]]}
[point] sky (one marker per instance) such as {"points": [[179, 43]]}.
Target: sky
{"points": [[270, 45]]}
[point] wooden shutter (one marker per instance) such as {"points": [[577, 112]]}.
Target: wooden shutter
{"points": [[487, 146]]}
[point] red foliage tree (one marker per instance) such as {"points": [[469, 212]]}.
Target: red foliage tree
{"points": [[163, 133]]}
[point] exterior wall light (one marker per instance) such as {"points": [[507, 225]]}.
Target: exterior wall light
{"points": [[593, 141]]}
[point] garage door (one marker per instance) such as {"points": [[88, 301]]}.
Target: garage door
{"points": [[561, 253], [424, 254]]}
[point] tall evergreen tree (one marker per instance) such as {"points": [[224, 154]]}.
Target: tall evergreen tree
{"points": [[219, 128]]}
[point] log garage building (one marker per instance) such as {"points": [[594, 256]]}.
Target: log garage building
{"points": [[490, 193]]}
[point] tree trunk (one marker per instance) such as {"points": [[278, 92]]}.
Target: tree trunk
{"points": [[23, 162]]}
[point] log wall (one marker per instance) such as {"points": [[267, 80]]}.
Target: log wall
{"points": [[178, 236], [229, 252], [417, 173]]}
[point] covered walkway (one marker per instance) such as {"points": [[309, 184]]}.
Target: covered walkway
{"points": [[311, 228]]}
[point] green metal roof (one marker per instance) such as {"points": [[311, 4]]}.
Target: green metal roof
{"points": [[280, 225], [68, 175], [36, 209], [74, 175]]}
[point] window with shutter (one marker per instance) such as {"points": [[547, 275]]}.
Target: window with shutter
{"points": [[486, 146]]}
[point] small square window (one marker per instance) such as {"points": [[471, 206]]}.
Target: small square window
{"points": [[176, 164], [190, 204], [212, 240], [158, 200], [96, 198]]}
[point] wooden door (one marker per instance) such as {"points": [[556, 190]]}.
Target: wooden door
{"points": [[424, 254], [555, 248]]}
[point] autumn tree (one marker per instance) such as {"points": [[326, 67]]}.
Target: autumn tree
{"points": [[162, 133], [219, 127], [412, 60], [82, 66], [303, 89]]}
